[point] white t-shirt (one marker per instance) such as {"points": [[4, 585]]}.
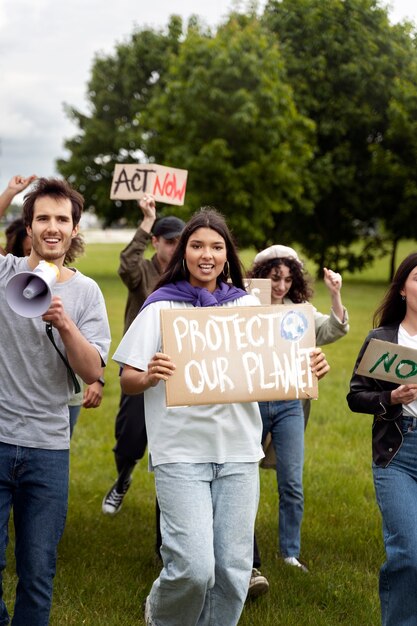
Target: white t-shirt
{"points": [[410, 341], [216, 433]]}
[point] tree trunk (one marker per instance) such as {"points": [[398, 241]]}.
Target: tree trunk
{"points": [[392, 260], [319, 272]]}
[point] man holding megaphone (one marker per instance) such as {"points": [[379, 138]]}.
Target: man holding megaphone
{"points": [[37, 372], [19, 243]]}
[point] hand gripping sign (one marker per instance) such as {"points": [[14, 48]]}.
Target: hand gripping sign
{"points": [[384, 360]]}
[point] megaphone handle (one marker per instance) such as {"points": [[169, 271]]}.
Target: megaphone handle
{"points": [[75, 382]]}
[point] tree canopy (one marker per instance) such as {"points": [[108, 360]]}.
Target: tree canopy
{"points": [[226, 114], [119, 92], [344, 60], [298, 124]]}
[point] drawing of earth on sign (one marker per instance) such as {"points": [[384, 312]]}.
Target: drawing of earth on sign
{"points": [[293, 326]]}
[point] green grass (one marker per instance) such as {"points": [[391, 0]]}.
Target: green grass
{"points": [[106, 565]]}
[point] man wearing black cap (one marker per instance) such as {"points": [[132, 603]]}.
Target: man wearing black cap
{"points": [[140, 275]]}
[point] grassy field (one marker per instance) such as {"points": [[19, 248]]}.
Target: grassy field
{"points": [[106, 565]]}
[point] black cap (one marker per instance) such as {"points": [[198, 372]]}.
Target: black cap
{"points": [[168, 227]]}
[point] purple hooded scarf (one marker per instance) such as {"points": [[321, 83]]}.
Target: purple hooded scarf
{"points": [[182, 291]]}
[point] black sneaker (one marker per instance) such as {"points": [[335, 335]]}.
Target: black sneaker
{"points": [[258, 584], [113, 500]]}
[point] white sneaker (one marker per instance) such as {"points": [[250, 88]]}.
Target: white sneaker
{"points": [[258, 584], [292, 560]]}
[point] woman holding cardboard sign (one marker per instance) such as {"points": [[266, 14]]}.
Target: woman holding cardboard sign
{"points": [[205, 458], [283, 420], [394, 448]]}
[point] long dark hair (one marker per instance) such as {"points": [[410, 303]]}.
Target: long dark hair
{"points": [[300, 291], [15, 236], [393, 308], [206, 217]]}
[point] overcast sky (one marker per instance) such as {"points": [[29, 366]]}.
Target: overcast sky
{"points": [[47, 48]]}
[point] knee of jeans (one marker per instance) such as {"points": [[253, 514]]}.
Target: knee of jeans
{"points": [[409, 562], [402, 558], [36, 564], [291, 490], [200, 573]]}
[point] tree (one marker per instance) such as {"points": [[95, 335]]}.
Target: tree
{"points": [[343, 58], [119, 92], [299, 126], [394, 160], [226, 114]]}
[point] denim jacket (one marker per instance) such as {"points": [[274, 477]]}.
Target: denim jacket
{"points": [[368, 395]]}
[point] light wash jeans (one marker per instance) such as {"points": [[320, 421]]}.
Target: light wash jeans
{"points": [[35, 483], [396, 493], [284, 419], [207, 522]]}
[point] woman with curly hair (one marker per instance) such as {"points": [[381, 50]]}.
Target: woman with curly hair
{"points": [[283, 420]]}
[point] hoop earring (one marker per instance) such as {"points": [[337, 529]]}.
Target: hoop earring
{"points": [[226, 269], [184, 268]]}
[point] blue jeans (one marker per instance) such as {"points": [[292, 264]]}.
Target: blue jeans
{"points": [[396, 493], [284, 419], [74, 412], [35, 483], [207, 521]]}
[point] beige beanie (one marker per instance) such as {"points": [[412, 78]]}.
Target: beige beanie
{"points": [[276, 252]]}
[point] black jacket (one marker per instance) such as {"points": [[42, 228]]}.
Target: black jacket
{"points": [[368, 395]]}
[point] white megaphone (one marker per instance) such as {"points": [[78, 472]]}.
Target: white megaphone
{"points": [[29, 293]]}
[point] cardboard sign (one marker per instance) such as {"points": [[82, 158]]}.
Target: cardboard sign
{"points": [[259, 287], [384, 360], [133, 180], [239, 354]]}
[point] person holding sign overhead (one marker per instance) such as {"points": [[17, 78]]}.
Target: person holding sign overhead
{"points": [[140, 276], [283, 420], [205, 458], [394, 447]]}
